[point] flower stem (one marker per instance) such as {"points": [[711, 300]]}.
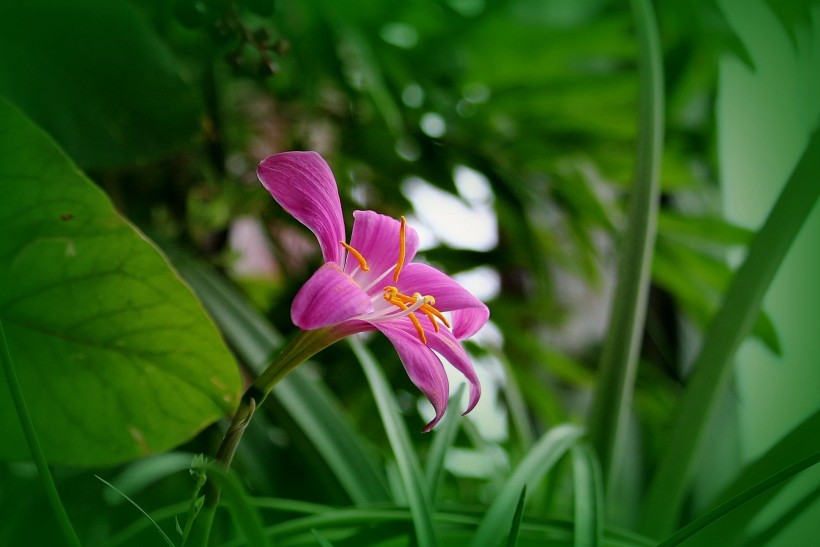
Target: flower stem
{"points": [[305, 345], [27, 424]]}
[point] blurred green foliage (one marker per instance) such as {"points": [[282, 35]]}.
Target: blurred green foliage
{"points": [[168, 105]]}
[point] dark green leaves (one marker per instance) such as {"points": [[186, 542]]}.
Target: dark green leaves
{"points": [[93, 74], [115, 357]]}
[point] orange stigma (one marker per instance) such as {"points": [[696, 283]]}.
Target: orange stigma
{"points": [[402, 249], [357, 255]]}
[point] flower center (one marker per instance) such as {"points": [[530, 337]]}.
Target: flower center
{"points": [[403, 305]]}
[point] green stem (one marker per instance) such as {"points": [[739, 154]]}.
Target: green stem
{"points": [[712, 369], [34, 444], [619, 356], [304, 346]]}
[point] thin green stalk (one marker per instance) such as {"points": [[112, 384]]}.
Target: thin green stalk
{"points": [[37, 455], [304, 346], [712, 369], [619, 357]]}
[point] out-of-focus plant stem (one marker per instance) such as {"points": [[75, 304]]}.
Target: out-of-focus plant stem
{"points": [[304, 346], [621, 349], [37, 455]]}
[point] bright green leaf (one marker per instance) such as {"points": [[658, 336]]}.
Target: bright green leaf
{"points": [[115, 356]]}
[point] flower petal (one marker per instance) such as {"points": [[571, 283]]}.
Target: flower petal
{"points": [[376, 237], [302, 183], [422, 366], [329, 297], [468, 321], [449, 347], [449, 295], [446, 344]]}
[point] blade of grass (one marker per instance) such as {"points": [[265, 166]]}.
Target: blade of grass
{"points": [[126, 534], [515, 402], [141, 473], [37, 455], [589, 497], [343, 518], [800, 442], [691, 530], [445, 435], [732, 323], [140, 509], [516, 522], [619, 357], [320, 538], [539, 460], [291, 506], [406, 459], [767, 536], [306, 399]]}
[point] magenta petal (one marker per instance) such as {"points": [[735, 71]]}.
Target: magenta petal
{"points": [[302, 183], [422, 366], [376, 237], [329, 297], [449, 347], [468, 321], [445, 343]]}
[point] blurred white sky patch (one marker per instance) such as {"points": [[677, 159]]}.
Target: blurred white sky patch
{"points": [[433, 125], [484, 282], [249, 245], [490, 414], [466, 223]]}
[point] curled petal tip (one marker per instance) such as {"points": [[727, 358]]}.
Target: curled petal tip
{"points": [[429, 427], [303, 184], [475, 394]]}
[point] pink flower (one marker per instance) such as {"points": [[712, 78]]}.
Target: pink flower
{"points": [[372, 283]]}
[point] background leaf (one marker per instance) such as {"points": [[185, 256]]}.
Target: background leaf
{"points": [[115, 356], [95, 76]]}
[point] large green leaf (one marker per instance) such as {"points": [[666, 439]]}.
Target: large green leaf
{"points": [[94, 75], [115, 356]]}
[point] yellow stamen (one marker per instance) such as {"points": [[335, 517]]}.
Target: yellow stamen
{"points": [[402, 249], [419, 330], [393, 299], [431, 317], [393, 296], [357, 255], [430, 310]]}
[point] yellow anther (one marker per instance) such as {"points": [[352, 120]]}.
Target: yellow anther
{"points": [[429, 310], [394, 299], [416, 324], [403, 302], [394, 293], [402, 249], [357, 255], [431, 317]]}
